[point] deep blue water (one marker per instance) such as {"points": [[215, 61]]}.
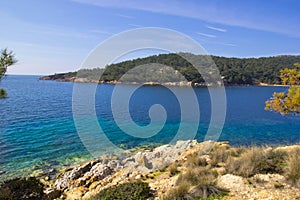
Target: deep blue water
{"points": [[37, 129]]}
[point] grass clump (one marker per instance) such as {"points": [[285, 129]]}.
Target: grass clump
{"points": [[293, 167], [195, 183], [173, 169], [178, 193], [256, 160], [126, 191], [194, 160], [219, 154]]}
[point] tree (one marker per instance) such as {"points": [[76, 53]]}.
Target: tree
{"points": [[7, 58], [287, 102]]}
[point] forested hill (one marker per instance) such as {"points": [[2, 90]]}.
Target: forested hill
{"points": [[234, 71]]}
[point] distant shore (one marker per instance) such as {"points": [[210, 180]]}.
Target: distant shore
{"points": [[180, 84]]}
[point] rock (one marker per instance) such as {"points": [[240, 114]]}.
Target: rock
{"points": [[139, 176], [100, 171], [76, 193], [142, 160], [231, 182], [71, 174]]}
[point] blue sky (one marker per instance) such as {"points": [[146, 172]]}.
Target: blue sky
{"points": [[57, 35]]}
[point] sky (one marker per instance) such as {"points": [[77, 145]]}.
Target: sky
{"points": [[53, 36]]}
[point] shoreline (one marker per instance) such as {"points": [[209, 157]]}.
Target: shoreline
{"points": [[161, 166], [175, 84], [43, 171], [87, 178]]}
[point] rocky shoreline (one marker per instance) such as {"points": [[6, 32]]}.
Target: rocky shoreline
{"points": [[156, 167]]}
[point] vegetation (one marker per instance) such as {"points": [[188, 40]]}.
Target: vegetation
{"points": [[126, 191], [196, 181], [256, 160], [3, 93], [293, 167], [198, 175], [26, 189], [287, 102], [7, 58], [235, 71]]}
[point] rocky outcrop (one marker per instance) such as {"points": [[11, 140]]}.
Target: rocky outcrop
{"points": [[77, 180], [85, 180]]}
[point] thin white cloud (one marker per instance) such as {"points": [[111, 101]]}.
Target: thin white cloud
{"points": [[124, 16], [216, 29], [206, 35], [229, 44], [135, 25], [100, 32], [216, 12]]}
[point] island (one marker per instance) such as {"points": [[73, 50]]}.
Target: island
{"points": [[233, 71]]}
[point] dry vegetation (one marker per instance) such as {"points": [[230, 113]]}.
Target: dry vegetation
{"points": [[198, 173]]}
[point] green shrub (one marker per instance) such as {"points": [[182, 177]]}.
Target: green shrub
{"points": [[126, 191], [3, 94], [24, 188]]}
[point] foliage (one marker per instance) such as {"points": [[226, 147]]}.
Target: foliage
{"points": [[126, 191], [3, 93], [25, 188], [235, 71], [287, 102], [29, 188], [7, 58]]}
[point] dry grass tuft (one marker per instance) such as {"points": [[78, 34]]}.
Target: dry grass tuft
{"points": [[178, 193], [293, 167], [173, 169], [194, 160]]}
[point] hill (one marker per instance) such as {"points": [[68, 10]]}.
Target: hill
{"points": [[234, 71]]}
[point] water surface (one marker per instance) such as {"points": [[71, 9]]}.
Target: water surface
{"points": [[37, 130]]}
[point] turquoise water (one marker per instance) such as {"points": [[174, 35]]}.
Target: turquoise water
{"points": [[37, 129]]}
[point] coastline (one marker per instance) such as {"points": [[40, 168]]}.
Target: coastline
{"points": [[152, 165], [176, 84]]}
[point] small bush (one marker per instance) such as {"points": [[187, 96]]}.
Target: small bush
{"points": [[3, 94], [24, 188], [126, 191], [293, 167]]}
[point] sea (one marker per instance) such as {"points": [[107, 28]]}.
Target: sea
{"points": [[38, 131]]}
